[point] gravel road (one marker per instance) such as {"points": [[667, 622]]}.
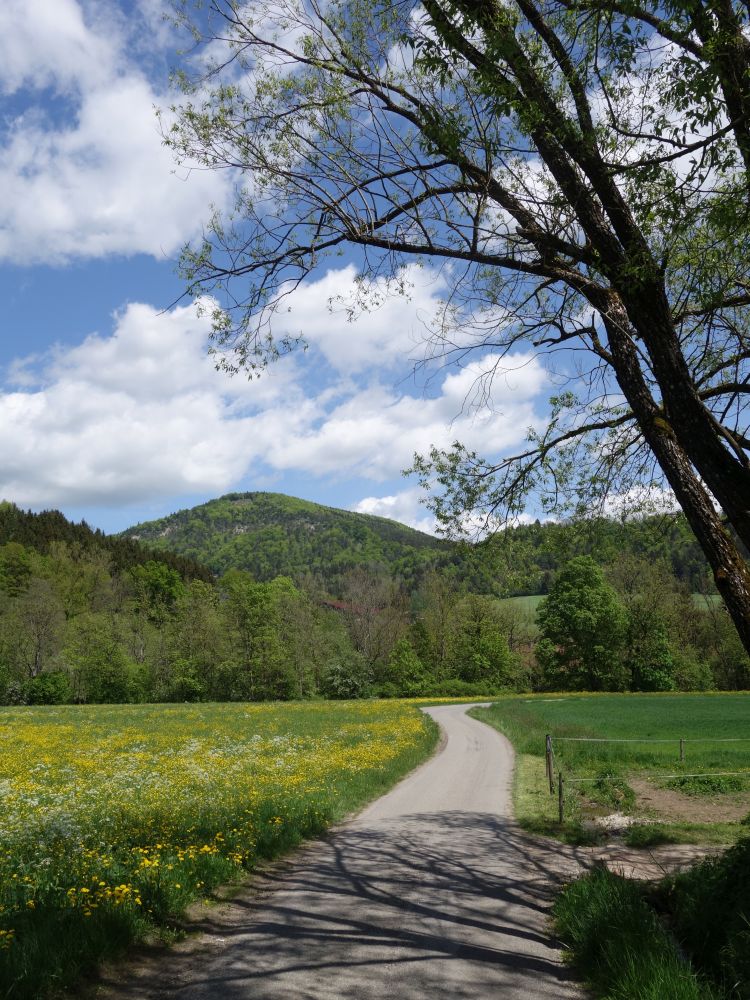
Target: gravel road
{"points": [[431, 893]]}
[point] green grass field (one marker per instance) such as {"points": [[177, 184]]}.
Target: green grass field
{"points": [[529, 603], [115, 818], [702, 720]]}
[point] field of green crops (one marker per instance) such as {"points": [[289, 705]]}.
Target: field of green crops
{"points": [[706, 722], [115, 817]]}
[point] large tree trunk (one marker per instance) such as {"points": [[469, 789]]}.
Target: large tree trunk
{"points": [[731, 572], [725, 472]]}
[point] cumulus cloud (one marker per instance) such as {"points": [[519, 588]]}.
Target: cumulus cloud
{"points": [[357, 324], [83, 169], [141, 413], [136, 415], [644, 500], [46, 43], [375, 432]]}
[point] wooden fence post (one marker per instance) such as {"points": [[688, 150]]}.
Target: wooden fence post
{"points": [[550, 765], [682, 751], [561, 796]]}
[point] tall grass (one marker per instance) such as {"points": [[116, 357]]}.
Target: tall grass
{"points": [[618, 944], [709, 907], [698, 950]]}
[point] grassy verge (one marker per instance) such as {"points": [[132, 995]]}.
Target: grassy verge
{"points": [[618, 944], [115, 818], [709, 909], [687, 938], [697, 718]]}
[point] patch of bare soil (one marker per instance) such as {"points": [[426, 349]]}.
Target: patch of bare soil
{"points": [[652, 863], [669, 805]]}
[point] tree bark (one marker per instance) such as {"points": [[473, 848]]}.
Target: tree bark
{"points": [[730, 571]]}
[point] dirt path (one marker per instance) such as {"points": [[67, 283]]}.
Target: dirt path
{"points": [[431, 893]]}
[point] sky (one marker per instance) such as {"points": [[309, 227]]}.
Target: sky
{"points": [[110, 407]]}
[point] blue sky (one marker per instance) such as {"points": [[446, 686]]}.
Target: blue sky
{"points": [[109, 407]]}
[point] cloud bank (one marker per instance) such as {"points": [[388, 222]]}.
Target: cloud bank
{"points": [[140, 413]]}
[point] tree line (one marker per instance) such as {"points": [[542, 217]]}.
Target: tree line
{"points": [[76, 628]]}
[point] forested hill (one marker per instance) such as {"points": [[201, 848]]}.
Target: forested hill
{"points": [[40, 531], [270, 534]]}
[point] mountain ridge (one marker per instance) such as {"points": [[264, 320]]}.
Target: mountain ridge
{"points": [[271, 534]]}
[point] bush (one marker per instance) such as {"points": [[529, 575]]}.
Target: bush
{"points": [[51, 688], [347, 677], [709, 784], [612, 790], [405, 673], [690, 673]]}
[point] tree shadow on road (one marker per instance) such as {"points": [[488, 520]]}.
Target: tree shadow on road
{"points": [[437, 906]]}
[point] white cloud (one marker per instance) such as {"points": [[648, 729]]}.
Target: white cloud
{"points": [[46, 43], [141, 413], [374, 432], [95, 178], [360, 324], [403, 506], [640, 501]]}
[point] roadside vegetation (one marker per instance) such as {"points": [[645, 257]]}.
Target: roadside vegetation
{"points": [[685, 938], [115, 818]]}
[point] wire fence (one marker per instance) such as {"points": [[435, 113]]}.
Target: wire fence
{"points": [[563, 780], [673, 739]]}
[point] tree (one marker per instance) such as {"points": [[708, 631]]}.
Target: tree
{"points": [[15, 569], [156, 589], [263, 664], [100, 668], [433, 606], [582, 163], [36, 626], [479, 651], [198, 639], [651, 601], [405, 675], [375, 614], [582, 626]]}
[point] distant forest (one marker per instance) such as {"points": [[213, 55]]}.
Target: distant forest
{"points": [[270, 535], [300, 601]]}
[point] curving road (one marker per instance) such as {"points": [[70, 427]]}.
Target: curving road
{"points": [[431, 893]]}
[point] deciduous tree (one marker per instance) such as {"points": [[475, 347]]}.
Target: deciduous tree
{"points": [[582, 628], [582, 168]]}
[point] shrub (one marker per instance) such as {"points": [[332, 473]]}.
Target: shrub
{"points": [[51, 688]]}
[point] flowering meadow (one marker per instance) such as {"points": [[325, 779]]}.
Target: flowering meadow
{"points": [[114, 818]]}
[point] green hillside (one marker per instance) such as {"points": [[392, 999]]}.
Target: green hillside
{"points": [[270, 534]]}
